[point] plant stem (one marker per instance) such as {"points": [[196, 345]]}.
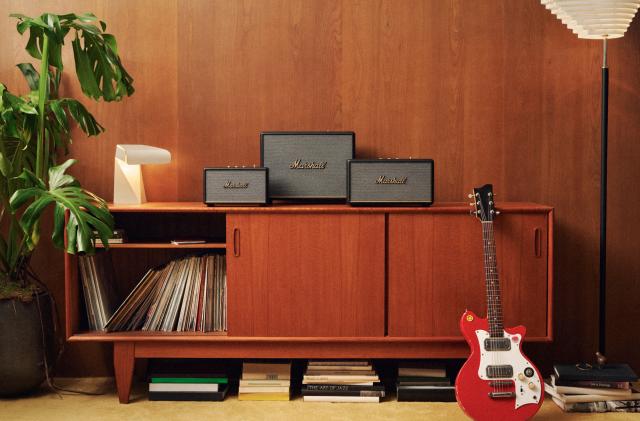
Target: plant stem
{"points": [[42, 97]]}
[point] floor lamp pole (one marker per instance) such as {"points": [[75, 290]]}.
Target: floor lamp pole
{"points": [[603, 199]]}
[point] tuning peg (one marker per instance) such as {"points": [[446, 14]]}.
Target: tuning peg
{"points": [[472, 212], [497, 212], [470, 195], [472, 204]]}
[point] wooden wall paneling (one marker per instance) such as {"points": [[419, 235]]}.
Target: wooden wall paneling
{"points": [[146, 39], [623, 274], [306, 275], [493, 91], [484, 97], [571, 129], [403, 82], [252, 66]]}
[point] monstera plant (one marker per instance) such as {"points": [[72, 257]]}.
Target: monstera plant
{"points": [[35, 133]]}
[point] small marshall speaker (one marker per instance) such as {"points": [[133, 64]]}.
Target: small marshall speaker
{"points": [[407, 182], [307, 165], [236, 186]]}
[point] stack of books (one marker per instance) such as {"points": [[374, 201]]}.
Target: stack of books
{"points": [[187, 295], [341, 381], [611, 388], [188, 387], [118, 237], [424, 382], [265, 382]]}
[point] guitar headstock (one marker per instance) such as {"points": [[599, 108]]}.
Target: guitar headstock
{"points": [[484, 203]]}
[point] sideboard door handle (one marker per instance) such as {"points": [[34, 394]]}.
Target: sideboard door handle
{"points": [[236, 242], [537, 242]]}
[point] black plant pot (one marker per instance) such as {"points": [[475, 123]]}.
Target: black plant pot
{"points": [[22, 352]]}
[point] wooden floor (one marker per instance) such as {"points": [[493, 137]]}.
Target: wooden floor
{"points": [[46, 405]]}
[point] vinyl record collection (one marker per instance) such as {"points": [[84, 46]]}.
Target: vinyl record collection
{"points": [[100, 299], [577, 388], [341, 381], [188, 294]]}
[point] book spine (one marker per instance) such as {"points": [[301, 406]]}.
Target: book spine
{"points": [[187, 396], [183, 387], [354, 399], [432, 395], [368, 393], [593, 384], [205, 380], [341, 387]]}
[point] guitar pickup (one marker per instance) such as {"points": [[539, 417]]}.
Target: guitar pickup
{"points": [[497, 344], [505, 384], [499, 371]]}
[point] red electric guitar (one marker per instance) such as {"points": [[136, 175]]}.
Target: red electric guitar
{"points": [[497, 382]]}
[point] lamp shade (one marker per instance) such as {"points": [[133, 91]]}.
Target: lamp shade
{"points": [[595, 19]]}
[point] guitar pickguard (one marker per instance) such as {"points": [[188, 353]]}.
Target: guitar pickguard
{"points": [[524, 392]]}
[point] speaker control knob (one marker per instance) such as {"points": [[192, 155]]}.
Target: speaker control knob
{"points": [[532, 385]]}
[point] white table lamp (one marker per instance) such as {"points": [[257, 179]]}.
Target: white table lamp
{"points": [[128, 187]]}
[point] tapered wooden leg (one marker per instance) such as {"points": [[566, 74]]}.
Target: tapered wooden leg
{"points": [[123, 362]]}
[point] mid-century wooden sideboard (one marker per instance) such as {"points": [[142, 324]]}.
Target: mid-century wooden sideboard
{"points": [[331, 281]]}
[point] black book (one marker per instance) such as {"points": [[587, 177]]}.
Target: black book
{"points": [[189, 396], [608, 373], [426, 394], [423, 383]]}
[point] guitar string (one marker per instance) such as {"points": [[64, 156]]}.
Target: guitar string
{"points": [[490, 304], [494, 305], [498, 322]]}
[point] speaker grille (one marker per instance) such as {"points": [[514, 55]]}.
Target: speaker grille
{"points": [[307, 165], [393, 181], [235, 186]]}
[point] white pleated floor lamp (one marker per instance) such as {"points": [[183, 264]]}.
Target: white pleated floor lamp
{"points": [[598, 19]]}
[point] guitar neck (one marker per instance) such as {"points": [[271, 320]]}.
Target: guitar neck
{"points": [[494, 303]]}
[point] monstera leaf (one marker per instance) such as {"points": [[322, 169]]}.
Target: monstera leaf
{"points": [[87, 212], [98, 66]]}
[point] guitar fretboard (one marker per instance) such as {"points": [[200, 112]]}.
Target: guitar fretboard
{"points": [[494, 304]]}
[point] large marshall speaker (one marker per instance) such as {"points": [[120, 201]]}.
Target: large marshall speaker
{"points": [[390, 182], [307, 165], [236, 186]]}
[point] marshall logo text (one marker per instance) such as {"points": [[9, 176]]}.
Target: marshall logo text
{"points": [[391, 180], [237, 185], [298, 164]]}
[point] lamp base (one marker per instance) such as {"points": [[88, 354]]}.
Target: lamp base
{"points": [[128, 186]]}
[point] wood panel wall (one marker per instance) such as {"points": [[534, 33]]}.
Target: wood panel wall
{"points": [[494, 91]]}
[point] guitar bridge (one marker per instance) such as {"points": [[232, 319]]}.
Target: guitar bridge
{"points": [[502, 395]]}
